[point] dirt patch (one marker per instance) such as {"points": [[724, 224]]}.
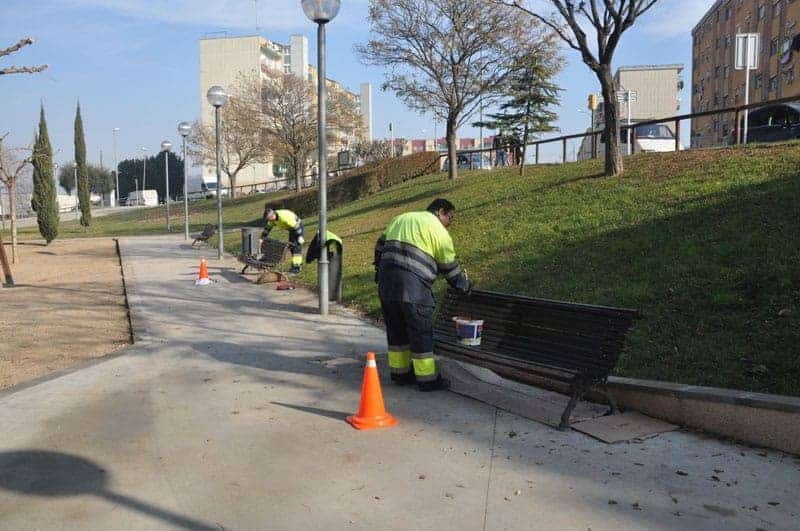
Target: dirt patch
{"points": [[68, 305]]}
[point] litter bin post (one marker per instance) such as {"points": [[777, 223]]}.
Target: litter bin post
{"points": [[250, 237], [335, 270]]}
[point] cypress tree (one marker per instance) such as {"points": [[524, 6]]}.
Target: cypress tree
{"points": [[44, 188], [83, 171]]}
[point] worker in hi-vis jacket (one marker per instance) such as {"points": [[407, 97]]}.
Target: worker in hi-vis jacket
{"points": [[290, 221], [409, 255]]}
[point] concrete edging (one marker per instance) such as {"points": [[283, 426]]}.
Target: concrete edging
{"points": [[770, 421]]}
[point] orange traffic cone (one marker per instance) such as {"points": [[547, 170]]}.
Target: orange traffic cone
{"points": [[202, 277], [372, 413]]}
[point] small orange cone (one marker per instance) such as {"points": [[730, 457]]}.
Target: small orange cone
{"points": [[202, 277], [371, 413]]}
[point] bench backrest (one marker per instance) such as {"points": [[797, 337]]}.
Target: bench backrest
{"points": [[209, 230], [272, 251], [580, 339]]}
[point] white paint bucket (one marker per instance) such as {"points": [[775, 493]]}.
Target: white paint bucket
{"points": [[469, 331]]}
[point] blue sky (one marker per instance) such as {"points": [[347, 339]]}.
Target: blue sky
{"points": [[134, 65]]}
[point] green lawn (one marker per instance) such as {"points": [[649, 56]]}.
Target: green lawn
{"points": [[703, 243]]}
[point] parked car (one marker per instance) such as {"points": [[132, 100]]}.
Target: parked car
{"points": [[468, 161], [210, 190], [772, 123]]}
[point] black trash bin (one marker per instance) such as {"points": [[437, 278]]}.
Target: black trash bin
{"points": [[250, 237], [334, 248]]}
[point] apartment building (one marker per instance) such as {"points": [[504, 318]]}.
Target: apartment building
{"points": [[715, 82], [654, 92], [224, 60]]}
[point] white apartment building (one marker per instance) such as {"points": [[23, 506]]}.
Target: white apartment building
{"points": [[223, 61], [654, 92]]}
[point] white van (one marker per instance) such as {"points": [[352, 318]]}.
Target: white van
{"points": [[142, 198]]}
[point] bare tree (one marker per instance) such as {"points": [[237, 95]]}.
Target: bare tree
{"points": [[446, 55], [13, 162], [610, 19], [290, 123], [19, 69], [241, 132], [290, 120]]}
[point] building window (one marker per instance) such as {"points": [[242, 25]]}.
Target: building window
{"points": [[773, 83], [776, 8], [762, 11], [759, 81], [728, 13], [773, 47], [727, 41], [727, 71], [790, 76], [716, 71]]}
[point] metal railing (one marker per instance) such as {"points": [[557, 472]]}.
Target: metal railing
{"points": [[736, 110]]}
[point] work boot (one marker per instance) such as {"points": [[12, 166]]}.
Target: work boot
{"points": [[407, 378], [295, 269], [439, 384]]}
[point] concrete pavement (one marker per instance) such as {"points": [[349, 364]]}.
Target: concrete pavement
{"points": [[228, 413]]}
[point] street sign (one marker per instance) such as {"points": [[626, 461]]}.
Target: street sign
{"points": [[746, 54]]}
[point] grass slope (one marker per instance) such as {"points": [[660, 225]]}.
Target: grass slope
{"points": [[703, 243]]}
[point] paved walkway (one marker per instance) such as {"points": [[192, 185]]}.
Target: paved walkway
{"points": [[227, 413]]}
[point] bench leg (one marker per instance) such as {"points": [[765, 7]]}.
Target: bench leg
{"points": [[612, 401], [576, 396], [244, 269]]}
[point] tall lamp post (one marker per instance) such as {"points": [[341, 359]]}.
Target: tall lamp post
{"points": [[322, 12], [116, 166], [184, 128], [75, 174], [166, 145], [144, 174], [217, 97]]}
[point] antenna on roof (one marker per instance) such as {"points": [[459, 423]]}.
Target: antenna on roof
{"points": [[255, 4]]}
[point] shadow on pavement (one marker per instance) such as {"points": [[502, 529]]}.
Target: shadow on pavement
{"points": [[44, 473]]}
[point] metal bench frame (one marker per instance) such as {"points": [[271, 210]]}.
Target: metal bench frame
{"points": [[208, 231], [271, 258], [577, 344]]}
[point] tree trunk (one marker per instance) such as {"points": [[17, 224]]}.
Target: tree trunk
{"points": [[12, 207], [452, 170], [525, 138], [232, 181], [613, 162]]}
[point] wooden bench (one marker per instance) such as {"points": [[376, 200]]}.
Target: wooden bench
{"points": [[577, 344], [271, 257], [208, 231]]}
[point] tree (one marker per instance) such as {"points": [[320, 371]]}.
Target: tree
{"points": [[131, 169], [290, 120], [66, 177], [241, 132], [44, 189], [13, 163], [446, 55], [101, 180], [83, 172], [372, 152], [526, 109], [610, 19], [19, 69]]}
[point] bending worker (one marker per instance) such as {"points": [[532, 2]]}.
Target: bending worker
{"points": [[290, 221], [413, 249]]}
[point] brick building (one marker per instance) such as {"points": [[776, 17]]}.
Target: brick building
{"points": [[715, 82]]}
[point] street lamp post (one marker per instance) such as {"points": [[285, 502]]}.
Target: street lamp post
{"points": [[166, 145], [75, 173], [116, 165], [136, 188], [144, 174], [184, 128], [322, 12], [217, 97]]}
